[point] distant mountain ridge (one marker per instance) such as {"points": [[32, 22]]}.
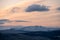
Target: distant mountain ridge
{"points": [[38, 28], [28, 29]]}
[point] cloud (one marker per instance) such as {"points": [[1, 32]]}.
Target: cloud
{"points": [[36, 7], [58, 8], [15, 10], [20, 21], [3, 21]]}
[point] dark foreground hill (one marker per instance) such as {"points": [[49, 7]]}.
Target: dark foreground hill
{"points": [[36, 35]]}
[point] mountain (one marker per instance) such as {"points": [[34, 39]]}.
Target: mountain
{"points": [[23, 29], [30, 33], [38, 28]]}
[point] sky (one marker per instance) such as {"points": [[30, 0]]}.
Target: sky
{"points": [[30, 12]]}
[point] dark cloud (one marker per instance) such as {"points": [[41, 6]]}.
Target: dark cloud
{"points": [[58, 8], [2, 21], [20, 21], [36, 7]]}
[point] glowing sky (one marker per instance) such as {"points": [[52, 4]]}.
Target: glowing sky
{"points": [[30, 12]]}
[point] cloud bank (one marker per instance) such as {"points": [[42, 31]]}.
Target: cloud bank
{"points": [[3, 21], [36, 7]]}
